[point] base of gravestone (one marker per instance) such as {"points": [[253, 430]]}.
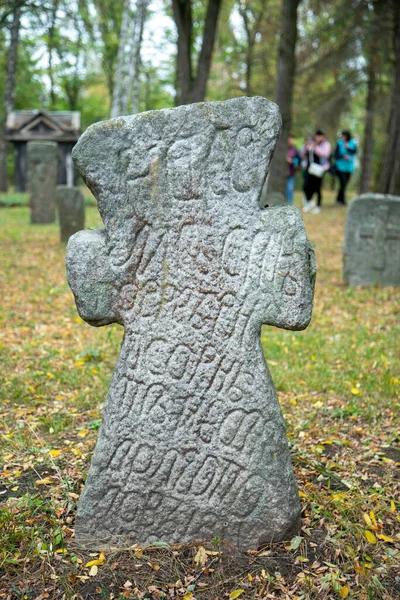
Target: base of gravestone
{"points": [[71, 211]]}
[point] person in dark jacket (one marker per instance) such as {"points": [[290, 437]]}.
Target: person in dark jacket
{"points": [[345, 152]]}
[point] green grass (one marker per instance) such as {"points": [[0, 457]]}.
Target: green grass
{"points": [[339, 387]]}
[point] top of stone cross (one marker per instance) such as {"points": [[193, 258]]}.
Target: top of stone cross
{"points": [[169, 165]]}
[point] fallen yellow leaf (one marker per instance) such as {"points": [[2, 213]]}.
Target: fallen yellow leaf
{"points": [[93, 571], [344, 592], [385, 538], [45, 481], [235, 594], [356, 392], [372, 515], [201, 557], [367, 520], [83, 432], [55, 452], [80, 363], [370, 537], [188, 596], [392, 506], [97, 562]]}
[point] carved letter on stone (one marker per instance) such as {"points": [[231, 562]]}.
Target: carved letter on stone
{"points": [[192, 443]]}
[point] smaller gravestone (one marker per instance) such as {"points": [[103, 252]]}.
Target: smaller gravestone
{"points": [[71, 210], [42, 180], [372, 241]]}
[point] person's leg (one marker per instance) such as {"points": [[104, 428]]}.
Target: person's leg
{"points": [[318, 185], [290, 189], [305, 181], [309, 191], [342, 185], [346, 180]]}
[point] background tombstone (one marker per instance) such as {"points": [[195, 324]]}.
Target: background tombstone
{"points": [[372, 241], [42, 177], [71, 210], [193, 442]]}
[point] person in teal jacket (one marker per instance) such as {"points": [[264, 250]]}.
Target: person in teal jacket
{"points": [[345, 152]]}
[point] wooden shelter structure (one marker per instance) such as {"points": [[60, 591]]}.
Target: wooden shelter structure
{"points": [[24, 126]]}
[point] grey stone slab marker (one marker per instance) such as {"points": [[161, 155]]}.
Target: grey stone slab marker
{"points": [[193, 442], [42, 180], [372, 241], [71, 210]]}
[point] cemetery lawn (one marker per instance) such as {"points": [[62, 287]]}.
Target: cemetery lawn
{"points": [[339, 388]]}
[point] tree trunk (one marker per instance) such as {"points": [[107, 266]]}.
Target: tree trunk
{"points": [[207, 47], [368, 144], [50, 47], [193, 89], [389, 182], [182, 11], [9, 96], [284, 93], [128, 69], [134, 83], [119, 76], [251, 34]]}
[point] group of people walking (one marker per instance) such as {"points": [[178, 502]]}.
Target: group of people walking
{"points": [[315, 159]]}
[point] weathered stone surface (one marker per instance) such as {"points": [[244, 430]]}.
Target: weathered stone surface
{"points": [[71, 211], [193, 442], [372, 241], [42, 180]]}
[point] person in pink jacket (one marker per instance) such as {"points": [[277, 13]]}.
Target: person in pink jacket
{"points": [[316, 151]]}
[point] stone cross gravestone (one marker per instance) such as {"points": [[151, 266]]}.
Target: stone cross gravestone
{"points": [[372, 241], [42, 180], [193, 442], [71, 211]]}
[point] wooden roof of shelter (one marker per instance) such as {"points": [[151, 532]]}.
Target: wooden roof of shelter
{"points": [[57, 126]]}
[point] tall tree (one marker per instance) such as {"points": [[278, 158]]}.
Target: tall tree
{"points": [[128, 67], [108, 17], [389, 181], [9, 96], [252, 14], [51, 39], [192, 83], [373, 64], [284, 93]]}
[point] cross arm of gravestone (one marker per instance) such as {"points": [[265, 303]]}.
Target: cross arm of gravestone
{"points": [[288, 270], [91, 278]]}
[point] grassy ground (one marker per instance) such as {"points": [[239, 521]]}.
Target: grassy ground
{"points": [[339, 388]]}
